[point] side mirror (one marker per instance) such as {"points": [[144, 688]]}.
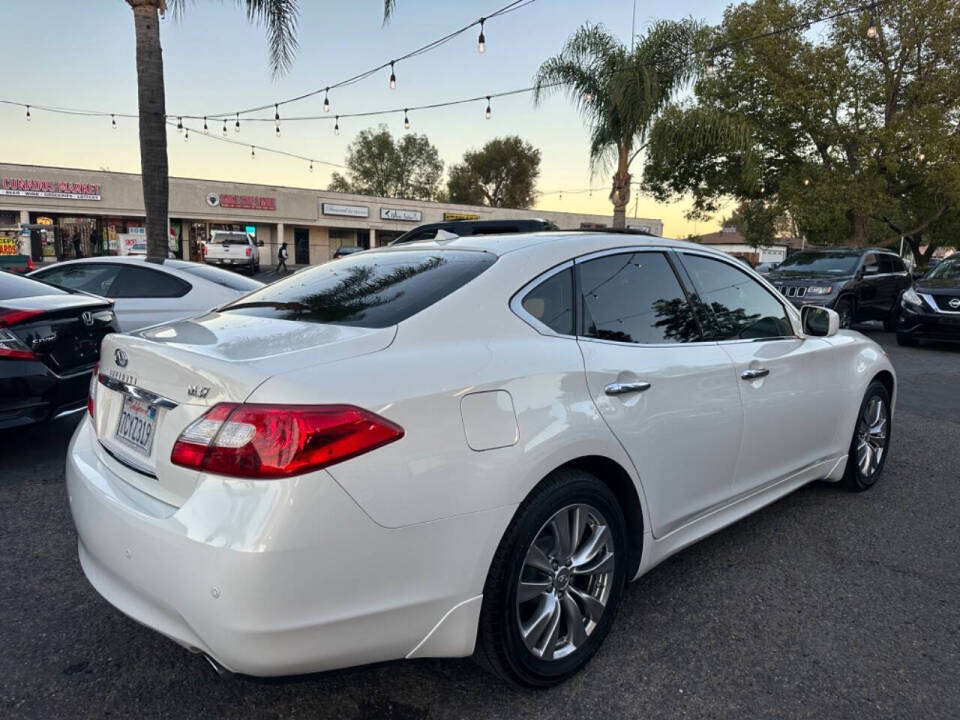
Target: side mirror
{"points": [[819, 321]]}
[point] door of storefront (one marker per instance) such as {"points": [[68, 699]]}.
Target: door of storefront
{"points": [[301, 246]]}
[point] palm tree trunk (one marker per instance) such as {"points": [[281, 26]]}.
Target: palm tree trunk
{"points": [[153, 131], [620, 193]]}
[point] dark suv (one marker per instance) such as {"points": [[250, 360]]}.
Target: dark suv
{"points": [[859, 283], [463, 228]]}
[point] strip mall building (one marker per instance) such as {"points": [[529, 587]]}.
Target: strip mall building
{"points": [[88, 212]]}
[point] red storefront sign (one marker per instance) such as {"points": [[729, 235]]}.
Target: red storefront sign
{"points": [[248, 202], [32, 187]]}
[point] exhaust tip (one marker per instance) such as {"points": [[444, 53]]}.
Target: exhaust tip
{"points": [[218, 668]]}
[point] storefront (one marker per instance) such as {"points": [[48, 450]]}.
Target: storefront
{"points": [[80, 213]]}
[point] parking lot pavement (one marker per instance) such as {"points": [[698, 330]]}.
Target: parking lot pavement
{"points": [[824, 605]]}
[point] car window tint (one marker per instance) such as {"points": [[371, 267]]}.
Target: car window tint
{"points": [[372, 290], [635, 298], [869, 260], [13, 286], [886, 263], [740, 307], [221, 277], [135, 282], [898, 265], [551, 302], [93, 278]]}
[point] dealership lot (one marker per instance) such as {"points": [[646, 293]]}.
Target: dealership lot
{"points": [[826, 604]]}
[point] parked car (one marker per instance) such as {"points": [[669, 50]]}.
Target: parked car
{"points": [[238, 250], [345, 250], [859, 283], [49, 344], [424, 450], [467, 228], [930, 310], [766, 267], [147, 293], [140, 248], [17, 264]]}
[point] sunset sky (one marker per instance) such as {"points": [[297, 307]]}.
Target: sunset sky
{"points": [[81, 55]]}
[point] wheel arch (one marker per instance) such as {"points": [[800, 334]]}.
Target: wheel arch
{"points": [[885, 377]]}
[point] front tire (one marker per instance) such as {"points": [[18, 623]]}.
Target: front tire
{"points": [[845, 309], [871, 440], [555, 582]]}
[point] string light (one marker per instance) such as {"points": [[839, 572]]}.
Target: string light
{"points": [[326, 100], [276, 118], [393, 77], [311, 166], [224, 127], [481, 41], [186, 134], [922, 157], [872, 27], [253, 153], [487, 113], [588, 97], [336, 126], [179, 124], [406, 120], [806, 181], [113, 122], [28, 114], [711, 67], [206, 130], [236, 125]]}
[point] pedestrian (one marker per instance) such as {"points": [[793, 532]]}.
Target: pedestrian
{"points": [[282, 257], [76, 244]]}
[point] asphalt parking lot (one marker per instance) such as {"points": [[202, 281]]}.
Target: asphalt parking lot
{"points": [[824, 605]]}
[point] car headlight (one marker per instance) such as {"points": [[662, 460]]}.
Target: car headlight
{"points": [[819, 290], [911, 299]]}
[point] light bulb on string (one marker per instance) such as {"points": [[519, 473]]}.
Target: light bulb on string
{"points": [[253, 153], [326, 100], [336, 125], [206, 129], [406, 120], [872, 27], [393, 77], [28, 114], [236, 125], [311, 166], [113, 121], [588, 97], [711, 67], [806, 181], [276, 118], [179, 124], [186, 134], [481, 41], [922, 157], [224, 127], [487, 113]]}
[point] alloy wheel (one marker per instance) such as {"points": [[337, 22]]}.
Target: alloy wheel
{"points": [[871, 437], [565, 582]]}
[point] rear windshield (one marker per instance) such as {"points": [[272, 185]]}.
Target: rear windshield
{"points": [[836, 263], [370, 290], [231, 239], [14, 286], [220, 277]]}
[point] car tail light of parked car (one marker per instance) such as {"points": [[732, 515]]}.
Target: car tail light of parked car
{"points": [[10, 345], [270, 441], [92, 395]]}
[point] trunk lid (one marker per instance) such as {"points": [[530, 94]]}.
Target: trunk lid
{"points": [[179, 370]]}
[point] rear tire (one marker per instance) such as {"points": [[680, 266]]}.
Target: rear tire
{"points": [[555, 582], [871, 440]]}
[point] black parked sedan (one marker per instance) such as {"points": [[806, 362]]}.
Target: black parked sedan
{"points": [[931, 309], [49, 345], [859, 283]]}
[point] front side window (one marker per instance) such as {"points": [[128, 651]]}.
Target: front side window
{"points": [[551, 302], [635, 298], [93, 278], [740, 308], [374, 290]]}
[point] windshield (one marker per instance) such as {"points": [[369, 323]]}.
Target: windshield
{"points": [[366, 290], [231, 239], [818, 261], [947, 270]]}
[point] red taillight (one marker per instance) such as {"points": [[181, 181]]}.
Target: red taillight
{"points": [[12, 346], [30, 265], [271, 441], [13, 317], [92, 394], [248, 252]]}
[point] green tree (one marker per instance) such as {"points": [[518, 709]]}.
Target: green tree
{"points": [[503, 173], [379, 165], [759, 221], [280, 19], [620, 91], [854, 137]]}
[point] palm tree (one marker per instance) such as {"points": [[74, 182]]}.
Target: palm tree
{"points": [[280, 18], [620, 91]]}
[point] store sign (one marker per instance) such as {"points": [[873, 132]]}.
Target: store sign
{"points": [[357, 211], [460, 216], [62, 190], [242, 202], [43, 220], [400, 214]]}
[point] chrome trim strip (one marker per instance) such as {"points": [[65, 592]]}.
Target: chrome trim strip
{"points": [[72, 411], [137, 392], [932, 302], [127, 462]]}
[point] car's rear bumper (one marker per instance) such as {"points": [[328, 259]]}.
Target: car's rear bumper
{"points": [[31, 393], [926, 325], [279, 577]]}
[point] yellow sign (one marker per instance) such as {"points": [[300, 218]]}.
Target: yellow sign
{"points": [[460, 216], [44, 221]]}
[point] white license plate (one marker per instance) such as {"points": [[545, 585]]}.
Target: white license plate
{"points": [[138, 420]]}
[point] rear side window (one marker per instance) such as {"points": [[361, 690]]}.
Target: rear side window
{"points": [[13, 286], [93, 278], [367, 290], [221, 277], [635, 298], [551, 302], [135, 282]]}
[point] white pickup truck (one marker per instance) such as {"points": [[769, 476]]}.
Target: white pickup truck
{"points": [[233, 249]]}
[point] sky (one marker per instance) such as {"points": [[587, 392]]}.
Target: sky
{"points": [[81, 55]]}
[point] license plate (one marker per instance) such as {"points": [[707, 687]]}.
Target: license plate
{"points": [[138, 420]]}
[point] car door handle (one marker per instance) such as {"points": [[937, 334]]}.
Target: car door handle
{"points": [[754, 374], [625, 388]]}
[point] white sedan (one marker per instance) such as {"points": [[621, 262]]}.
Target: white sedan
{"points": [[456, 447], [147, 293]]}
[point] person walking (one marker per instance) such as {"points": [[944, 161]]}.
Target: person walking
{"points": [[282, 258]]}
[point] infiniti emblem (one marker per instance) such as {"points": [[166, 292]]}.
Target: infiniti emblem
{"points": [[87, 318], [954, 303], [121, 357]]}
